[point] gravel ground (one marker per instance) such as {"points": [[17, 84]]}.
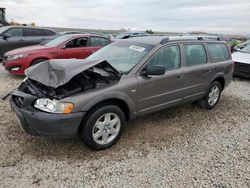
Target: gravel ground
{"points": [[180, 147]]}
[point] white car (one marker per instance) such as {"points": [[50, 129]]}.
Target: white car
{"points": [[242, 62]]}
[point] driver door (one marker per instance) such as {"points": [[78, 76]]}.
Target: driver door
{"points": [[15, 40], [76, 48], [159, 92]]}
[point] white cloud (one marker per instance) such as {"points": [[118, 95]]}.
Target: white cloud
{"points": [[221, 16]]}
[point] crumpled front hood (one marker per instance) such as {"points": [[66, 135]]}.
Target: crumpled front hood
{"points": [[241, 57], [57, 72]]}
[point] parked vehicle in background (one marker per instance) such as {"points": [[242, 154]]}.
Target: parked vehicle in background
{"points": [[12, 37], [64, 47], [131, 34], [241, 45], [128, 78], [242, 62]]}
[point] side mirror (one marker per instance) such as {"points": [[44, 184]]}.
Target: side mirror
{"points": [[154, 70], [6, 36]]}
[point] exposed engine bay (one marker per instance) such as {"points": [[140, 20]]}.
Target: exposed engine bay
{"points": [[98, 76]]}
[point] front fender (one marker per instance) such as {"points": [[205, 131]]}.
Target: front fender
{"points": [[109, 96]]}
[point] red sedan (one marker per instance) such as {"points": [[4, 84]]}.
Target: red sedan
{"points": [[77, 46]]}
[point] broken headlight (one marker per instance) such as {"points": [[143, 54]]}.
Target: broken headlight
{"points": [[53, 106]]}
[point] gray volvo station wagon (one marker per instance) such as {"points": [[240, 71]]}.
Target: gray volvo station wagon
{"points": [[93, 98]]}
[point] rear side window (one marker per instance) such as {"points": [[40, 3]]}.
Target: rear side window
{"points": [[29, 32], [98, 41], [15, 32], [195, 54], [169, 57], [48, 33], [37, 32], [218, 52]]}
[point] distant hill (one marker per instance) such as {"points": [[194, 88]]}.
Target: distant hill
{"points": [[110, 31]]}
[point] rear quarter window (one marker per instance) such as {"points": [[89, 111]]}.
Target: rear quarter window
{"points": [[218, 52], [48, 33]]}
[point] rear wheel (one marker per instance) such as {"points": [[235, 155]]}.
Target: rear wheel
{"points": [[103, 127], [212, 97]]}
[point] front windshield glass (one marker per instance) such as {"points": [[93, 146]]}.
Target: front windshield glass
{"points": [[122, 55], [2, 29], [246, 49], [57, 41], [121, 35]]}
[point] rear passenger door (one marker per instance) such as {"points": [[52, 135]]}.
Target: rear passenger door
{"points": [[158, 92], [33, 36], [197, 71]]}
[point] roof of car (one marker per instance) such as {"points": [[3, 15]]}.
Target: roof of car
{"points": [[12, 26], [155, 40], [84, 35]]}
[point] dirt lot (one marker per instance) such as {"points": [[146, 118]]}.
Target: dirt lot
{"points": [[181, 147]]}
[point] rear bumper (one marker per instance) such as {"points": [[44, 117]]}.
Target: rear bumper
{"points": [[40, 123], [242, 69]]}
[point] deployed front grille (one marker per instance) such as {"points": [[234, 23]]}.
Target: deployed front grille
{"points": [[18, 101]]}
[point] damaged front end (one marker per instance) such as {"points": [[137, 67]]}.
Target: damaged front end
{"points": [[37, 101], [53, 80]]}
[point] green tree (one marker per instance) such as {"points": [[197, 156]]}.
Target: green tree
{"points": [[149, 31]]}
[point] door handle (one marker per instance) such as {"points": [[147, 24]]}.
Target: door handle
{"points": [[179, 76]]}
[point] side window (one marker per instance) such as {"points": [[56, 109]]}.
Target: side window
{"points": [[169, 57], [30, 32], [107, 41], [218, 52], [98, 41], [48, 33], [195, 54], [77, 43], [15, 32]]}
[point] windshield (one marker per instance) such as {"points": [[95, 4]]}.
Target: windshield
{"points": [[122, 55], [246, 49], [121, 35], [3, 29], [57, 41]]}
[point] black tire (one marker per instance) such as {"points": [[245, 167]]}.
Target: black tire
{"points": [[204, 103], [37, 61], [86, 131]]}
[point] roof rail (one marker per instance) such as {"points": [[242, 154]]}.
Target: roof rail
{"points": [[218, 38], [209, 37]]}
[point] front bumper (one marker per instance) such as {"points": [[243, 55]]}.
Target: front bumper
{"points": [[242, 69], [40, 123], [16, 66]]}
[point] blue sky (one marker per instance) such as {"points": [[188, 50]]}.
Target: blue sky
{"points": [[220, 16]]}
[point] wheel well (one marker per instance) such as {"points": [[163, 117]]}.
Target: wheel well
{"points": [[118, 102], [42, 58], [221, 80]]}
